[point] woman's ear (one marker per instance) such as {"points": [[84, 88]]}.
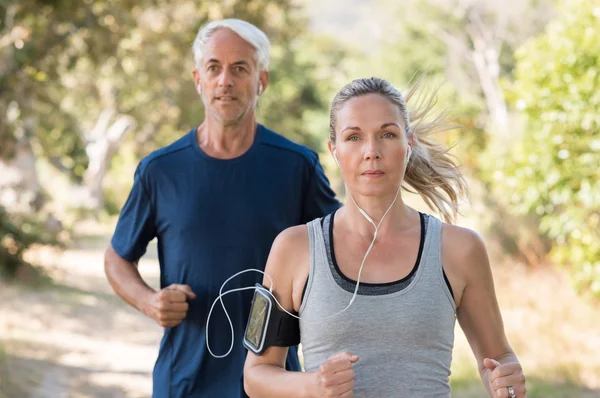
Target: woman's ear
{"points": [[332, 150]]}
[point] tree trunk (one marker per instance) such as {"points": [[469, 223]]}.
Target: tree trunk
{"points": [[20, 189], [486, 59], [103, 141]]}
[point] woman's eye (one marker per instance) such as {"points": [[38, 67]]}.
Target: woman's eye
{"points": [[353, 138], [389, 135]]}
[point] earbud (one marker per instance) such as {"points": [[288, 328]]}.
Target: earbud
{"points": [[199, 88], [335, 157], [408, 153], [260, 88]]}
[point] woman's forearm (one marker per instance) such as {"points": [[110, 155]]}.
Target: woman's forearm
{"points": [[266, 381]]}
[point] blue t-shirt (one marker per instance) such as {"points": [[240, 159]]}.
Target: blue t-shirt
{"points": [[213, 218]]}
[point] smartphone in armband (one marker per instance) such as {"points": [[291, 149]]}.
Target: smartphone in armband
{"points": [[268, 325]]}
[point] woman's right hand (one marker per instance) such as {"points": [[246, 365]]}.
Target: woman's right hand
{"points": [[335, 378]]}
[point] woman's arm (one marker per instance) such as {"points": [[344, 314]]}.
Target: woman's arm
{"points": [[466, 259], [265, 375]]}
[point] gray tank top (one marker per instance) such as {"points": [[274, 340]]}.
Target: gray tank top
{"points": [[404, 338]]}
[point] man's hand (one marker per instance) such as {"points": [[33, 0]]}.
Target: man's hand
{"points": [[505, 378], [335, 378], [169, 306]]}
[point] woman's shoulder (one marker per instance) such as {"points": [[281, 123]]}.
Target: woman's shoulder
{"points": [[462, 246], [292, 237], [290, 245], [296, 237], [289, 258]]}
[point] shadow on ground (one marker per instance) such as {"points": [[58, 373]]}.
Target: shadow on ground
{"points": [[43, 378]]}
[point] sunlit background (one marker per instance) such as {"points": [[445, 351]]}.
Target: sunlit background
{"points": [[88, 88]]}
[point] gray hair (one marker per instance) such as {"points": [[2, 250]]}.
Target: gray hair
{"points": [[431, 171], [245, 30]]}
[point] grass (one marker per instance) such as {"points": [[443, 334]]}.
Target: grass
{"points": [[553, 331], [465, 382]]}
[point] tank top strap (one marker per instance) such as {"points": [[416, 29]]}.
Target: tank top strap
{"points": [[318, 256], [433, 271]]}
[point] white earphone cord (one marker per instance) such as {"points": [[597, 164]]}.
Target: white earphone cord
{"points": [[270, 290]]}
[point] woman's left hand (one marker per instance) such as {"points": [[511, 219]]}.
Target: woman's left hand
{"points": [[506, 380]]}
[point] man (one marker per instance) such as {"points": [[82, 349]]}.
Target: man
{"points": [[215, 199]]}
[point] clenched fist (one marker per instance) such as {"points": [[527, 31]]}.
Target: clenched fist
{"points": [[335, 378], [169, 306], [505, 380]]}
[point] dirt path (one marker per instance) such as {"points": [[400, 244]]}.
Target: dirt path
{"points": [[76, 338]]}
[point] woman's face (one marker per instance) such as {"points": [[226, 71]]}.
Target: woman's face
{"points": [[371, 145]]}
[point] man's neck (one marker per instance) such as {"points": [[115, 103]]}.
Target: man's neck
{"points": [[226, 141]]}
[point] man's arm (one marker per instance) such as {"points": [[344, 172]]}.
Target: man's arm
{"points": [[168, 307], [126, 280], [320, 199]]}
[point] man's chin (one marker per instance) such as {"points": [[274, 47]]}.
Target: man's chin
{"points": [[229, 115], [230, 119]]}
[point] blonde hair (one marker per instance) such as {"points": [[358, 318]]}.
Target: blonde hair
{"points": [[431, 171]]}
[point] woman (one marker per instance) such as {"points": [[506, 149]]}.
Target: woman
{"points": [[418, 274]]}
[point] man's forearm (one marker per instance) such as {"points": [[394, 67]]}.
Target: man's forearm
{"points": [[126, 281]]}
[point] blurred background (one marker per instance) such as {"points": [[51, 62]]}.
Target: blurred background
{"points": [[88, 88]]}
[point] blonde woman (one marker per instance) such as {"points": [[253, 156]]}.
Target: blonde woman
{"points": [[390, 335]]}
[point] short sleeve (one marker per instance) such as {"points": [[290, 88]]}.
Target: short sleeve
{"points": [[319, 199], [136, 225]]}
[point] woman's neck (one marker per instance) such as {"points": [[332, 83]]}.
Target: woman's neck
{"points": [[397, 214]]}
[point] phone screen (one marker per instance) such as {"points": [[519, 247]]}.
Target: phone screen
{"points": [[257, 321]]}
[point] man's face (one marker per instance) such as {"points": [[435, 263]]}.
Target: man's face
{"points": [[229, 77]]}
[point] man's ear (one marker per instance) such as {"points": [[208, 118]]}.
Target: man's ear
{"points": [[197, 81], [263, 81], [196, 76]]}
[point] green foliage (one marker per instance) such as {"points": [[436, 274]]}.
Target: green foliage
{"points": [[75, 60], [64, 64], [553, 169], [19, 233]]}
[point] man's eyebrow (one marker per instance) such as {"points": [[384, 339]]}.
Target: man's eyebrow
{"points": [[241, 62]]}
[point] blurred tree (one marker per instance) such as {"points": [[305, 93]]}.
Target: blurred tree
{"points": [[85, 83], [83, 76], [470, 45], [17, 234], [553, 170]]}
